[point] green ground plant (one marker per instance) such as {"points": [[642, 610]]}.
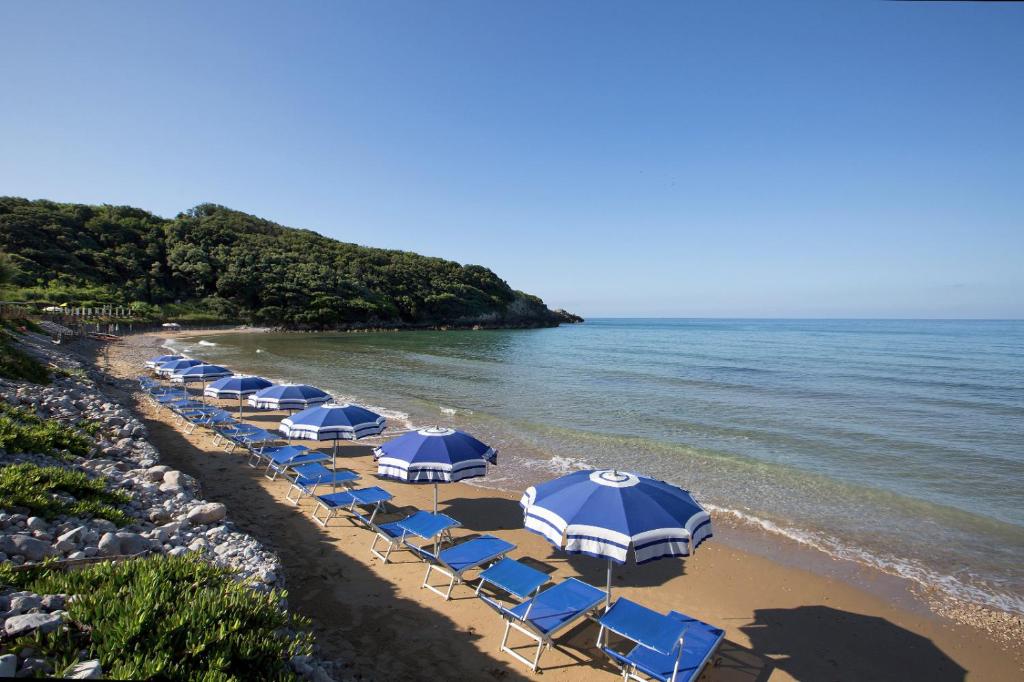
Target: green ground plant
{"points": [[134, 617], [21, 430], [17, 364], [52, 491]]}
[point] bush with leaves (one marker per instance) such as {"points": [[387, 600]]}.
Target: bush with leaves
{"points": [[18, 365], [21, 430], [168, 618], [52, 491]]}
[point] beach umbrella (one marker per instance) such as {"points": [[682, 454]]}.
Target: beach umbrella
{"points": [[166, 369], [610, 514], [333, 422], [201, 373], [153, 362], [434, 455], [288, 397], [237, 386]]}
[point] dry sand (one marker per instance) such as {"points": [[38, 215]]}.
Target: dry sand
{"points": [[781, 621]]}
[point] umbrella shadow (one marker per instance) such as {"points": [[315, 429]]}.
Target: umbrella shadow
{"points": [[820, 642], [484, 514]]}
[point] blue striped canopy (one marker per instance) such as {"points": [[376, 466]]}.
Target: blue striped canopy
{"points": [[200, 373], [333, 422], [160, 359], [288, 397], [168, 368], [236, 386], [607, 513], [434, 455]]}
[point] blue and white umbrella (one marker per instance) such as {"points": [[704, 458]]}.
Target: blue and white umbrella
{"points": [[434, 455], [237, 386], [333, 422], [203, 373], [166, 369], [288, 397], [160, 359], [607, 514]]}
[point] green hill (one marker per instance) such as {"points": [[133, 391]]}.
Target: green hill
{"points": [[214, 264]]}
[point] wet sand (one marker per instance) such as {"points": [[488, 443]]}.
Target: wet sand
{"points": [[781, 620]]}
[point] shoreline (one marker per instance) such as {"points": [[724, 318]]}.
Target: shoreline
{"points": [[829, 581], [913, 587]]}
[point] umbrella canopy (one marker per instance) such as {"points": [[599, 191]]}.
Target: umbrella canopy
{"points": [[607, 513], [434, 455], [333, 422], [159, 360], [200, 373], [171, 325], [288, 397], [237, 386], [166, 369]]}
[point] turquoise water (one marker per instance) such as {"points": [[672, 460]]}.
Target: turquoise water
{"points": [[896, 443]]}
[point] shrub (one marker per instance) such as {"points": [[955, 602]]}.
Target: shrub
{"points": [[52, 491], [21, 430], [18, 365], [168, 618]]}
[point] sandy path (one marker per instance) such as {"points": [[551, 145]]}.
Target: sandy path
{"points": [[781, 622]]}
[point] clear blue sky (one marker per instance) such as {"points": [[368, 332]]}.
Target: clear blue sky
{"points": [[840, 158]]}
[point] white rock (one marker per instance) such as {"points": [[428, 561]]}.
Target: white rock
{"points": [[110, 545], [27, 546], [44, 622], [86, 670], [36, 523], [8, 665], [207, 513], [132, 543]]}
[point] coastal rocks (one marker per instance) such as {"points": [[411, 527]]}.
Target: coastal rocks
{"points": [[21, 625], [8, 665], [33, 549], [109, 545], [207, 513]]}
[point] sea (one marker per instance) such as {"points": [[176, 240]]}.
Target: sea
{"points": [[898, 444]]}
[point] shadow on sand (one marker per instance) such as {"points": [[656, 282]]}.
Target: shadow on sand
{"points": [[822, 643]]}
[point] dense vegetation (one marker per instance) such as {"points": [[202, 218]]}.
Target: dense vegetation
{"points": [[213, 263], [17, 364], [52, 491], [132, 617], [22, 430]]}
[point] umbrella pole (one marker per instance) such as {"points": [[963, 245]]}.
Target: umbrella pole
{"points": [[435, 497], [608, 593], [239, 407], [334, 456]]}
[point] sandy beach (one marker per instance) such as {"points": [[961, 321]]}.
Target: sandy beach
{"points": [[782, 621]]}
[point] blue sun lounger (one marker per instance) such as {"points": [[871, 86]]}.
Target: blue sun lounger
{"points": [[544, 616], [672, 648], [306, 478], [512, 577], [465, 556], [430, 526], [373, 498], [225, 432], [280, 458], [253, 440], [210, 420]]}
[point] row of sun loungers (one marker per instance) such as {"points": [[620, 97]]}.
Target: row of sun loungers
{"points": [[669, 647]]}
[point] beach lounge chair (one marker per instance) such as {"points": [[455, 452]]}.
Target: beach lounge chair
{"points": [[306, 478], [228, 433], [372, 498], [253, 440], [672, 648], [210, 420], [280, 458], [552, 611], [465, 556], [513, 577], [430, 526]]}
